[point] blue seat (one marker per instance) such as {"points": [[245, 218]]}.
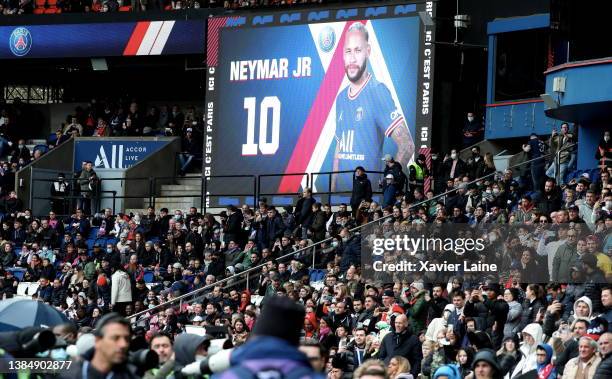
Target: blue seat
{"points": [[18, 273], [93, 232], [148, 276], [316, 275]]}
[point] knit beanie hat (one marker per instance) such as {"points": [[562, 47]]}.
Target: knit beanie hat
{"points": [[282, 318]]}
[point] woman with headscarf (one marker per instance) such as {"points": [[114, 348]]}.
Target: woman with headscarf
{"points": [[310, 325], [245, 300]]}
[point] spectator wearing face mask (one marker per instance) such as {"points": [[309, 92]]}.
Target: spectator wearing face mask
{"points": [[473, 130], [453, 167]]}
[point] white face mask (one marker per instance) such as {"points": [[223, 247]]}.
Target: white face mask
{"points": [[606, 138], [496, 190], [454, 156], [470, 118], [199, 357]]}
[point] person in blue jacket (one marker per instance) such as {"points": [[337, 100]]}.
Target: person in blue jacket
{"points": [[272, 350]]}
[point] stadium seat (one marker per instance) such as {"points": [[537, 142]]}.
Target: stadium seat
{"points": [[18, 273], [43, 148], [52, 3], [125, 8], [40, 3], [93, 232], [317, 275], [39, 10], [148, 276], [51, 10]]}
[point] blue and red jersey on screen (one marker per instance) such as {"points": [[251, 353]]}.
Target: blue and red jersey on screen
{"points": [[363, 120]]}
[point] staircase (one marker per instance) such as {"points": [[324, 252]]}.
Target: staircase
{"points": [[182, 195]]}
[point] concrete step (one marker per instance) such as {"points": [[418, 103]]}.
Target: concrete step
{"points": [[186, 194], [179, 187], [189, 182]]}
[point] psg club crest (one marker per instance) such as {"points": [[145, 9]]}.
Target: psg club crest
{"points": [[327, 39], [359, 114], [20, 41]]}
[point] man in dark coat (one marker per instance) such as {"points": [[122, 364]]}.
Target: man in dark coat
{"points": [[303, 211], [273, 227], [317, 227], [362, 189], [453, 167], [394, 168], [549, 200], [473, 130], [402, 342], [233, 226]]}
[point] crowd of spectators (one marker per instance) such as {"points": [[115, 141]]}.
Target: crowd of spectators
{"points": [[548, 308], [108, 119]]}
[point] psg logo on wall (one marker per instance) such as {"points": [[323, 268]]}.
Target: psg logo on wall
{"points": [[327, 39], [20, 41]]}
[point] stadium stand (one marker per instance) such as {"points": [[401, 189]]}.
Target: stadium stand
{"points": [[266, 290]]}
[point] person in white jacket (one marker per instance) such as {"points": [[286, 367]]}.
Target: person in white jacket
{"points": [[532, 336], [438, 324], [121, 290]]}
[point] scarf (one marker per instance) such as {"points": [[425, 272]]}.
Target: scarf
{"points": [[544, 371]]}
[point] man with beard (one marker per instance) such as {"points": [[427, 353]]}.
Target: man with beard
{"points": [[437, 302], [565, 257], [550, 198], [365, 114]]}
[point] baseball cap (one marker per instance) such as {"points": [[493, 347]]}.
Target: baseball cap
{"points": [[387, 158], [389, 176], [189, 130]]}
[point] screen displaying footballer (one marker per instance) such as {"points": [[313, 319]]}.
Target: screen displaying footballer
{"points": [[317, 97]]}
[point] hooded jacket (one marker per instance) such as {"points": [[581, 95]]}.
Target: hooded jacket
{"points": [[448, 371], [529, 361], [588, 302], [546, 370], [264, 353], [438, 324]]}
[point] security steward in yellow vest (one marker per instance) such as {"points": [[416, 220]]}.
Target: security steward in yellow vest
{"points": [[418, 172]]}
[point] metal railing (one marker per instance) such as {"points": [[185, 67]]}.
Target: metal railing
{"points": [[252, 186], [250, 271]]}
